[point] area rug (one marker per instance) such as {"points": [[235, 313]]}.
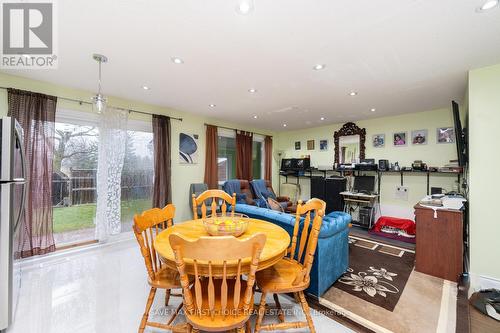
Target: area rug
{"points": [[377, 273], [424, 303]]}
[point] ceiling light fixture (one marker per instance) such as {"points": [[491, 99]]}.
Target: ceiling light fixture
{"points": [[319, 67], [322, 118], [353, 93], [177, 60], [99, 101], [211, 105], [284, 125], [252, 90], [373, 109], [245, 7], [490, 4], [255, 117], [145, 87]]}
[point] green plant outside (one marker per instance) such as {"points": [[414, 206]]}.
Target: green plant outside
{"points": [[82, 216]]}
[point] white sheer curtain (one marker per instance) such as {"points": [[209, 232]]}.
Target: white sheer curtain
{"points": [[112, 141]]}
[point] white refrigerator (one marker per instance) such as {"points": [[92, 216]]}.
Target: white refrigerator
{"points": [[12, 197]]}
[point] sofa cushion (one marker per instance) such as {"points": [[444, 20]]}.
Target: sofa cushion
{"points": [[333, 223], [274, 205]]}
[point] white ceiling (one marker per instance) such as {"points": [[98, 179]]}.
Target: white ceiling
{"points": [[400, 55]]}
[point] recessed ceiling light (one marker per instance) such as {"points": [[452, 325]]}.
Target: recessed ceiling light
{"points": [[319, 67], [145, 87], [177, 60], [255, 117], [490, 4], [353, 93], [252, 90], [284, 125], [245, 7], [322, 118], [211, 105], [373, 109]]}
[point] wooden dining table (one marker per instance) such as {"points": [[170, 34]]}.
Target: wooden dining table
{"points": [[275, 248]]}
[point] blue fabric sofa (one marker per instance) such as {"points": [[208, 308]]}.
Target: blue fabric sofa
{"points": [[332, 254]]}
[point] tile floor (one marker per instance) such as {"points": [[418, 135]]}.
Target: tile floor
{"points": [[101, 289]]}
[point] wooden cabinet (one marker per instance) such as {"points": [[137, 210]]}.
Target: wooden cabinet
{"points": [[439, 249]]}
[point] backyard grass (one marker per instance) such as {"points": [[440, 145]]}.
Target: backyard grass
{"points": [[82, 216]]}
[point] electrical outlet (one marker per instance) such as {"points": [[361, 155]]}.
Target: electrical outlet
{"points": [[402, 193]]}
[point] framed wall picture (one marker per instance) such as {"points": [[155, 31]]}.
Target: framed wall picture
{"points": [[310, 144], [323, 145], [445, 135], [399, 139], [188, 148], [419, 137], [378, 140], [297, 145]]}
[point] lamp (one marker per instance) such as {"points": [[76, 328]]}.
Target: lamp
{"points": [[99, 101]]}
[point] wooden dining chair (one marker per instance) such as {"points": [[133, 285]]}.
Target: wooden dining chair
{"points": [[292, 273], [218, 302], [215, 195], [146, 228]]}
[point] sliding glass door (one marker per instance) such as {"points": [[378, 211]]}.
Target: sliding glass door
{"points": [[74, 176]]}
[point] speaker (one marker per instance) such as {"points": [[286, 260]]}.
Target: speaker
{"points": [[318, 187], [364, 217], [333, 187], [383, 165]]}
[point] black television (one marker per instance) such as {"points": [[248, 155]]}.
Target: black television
{"points": [[460, 137]]}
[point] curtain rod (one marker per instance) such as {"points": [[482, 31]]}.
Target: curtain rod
{"points": [[115, 107], [235, 129]]}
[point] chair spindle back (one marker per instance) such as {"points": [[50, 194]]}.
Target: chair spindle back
{"points": [[226, 250], [146, 228], [215, 195], [313, 209]]}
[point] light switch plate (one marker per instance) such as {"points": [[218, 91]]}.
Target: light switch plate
{"points": [[402, 193]]}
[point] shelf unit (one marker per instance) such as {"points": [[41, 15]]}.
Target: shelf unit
{"points": [[311, 172]]}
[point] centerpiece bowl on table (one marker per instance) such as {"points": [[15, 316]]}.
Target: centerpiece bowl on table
{"points": [[229, 224]]}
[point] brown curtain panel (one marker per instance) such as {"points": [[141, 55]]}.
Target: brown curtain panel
{"points": [[268, 159], [211, 154], [244, 141], [162, 185], [36, 114]]}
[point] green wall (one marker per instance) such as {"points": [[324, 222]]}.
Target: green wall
{"points": [[484, 124], [182, 175], [432, 153]]}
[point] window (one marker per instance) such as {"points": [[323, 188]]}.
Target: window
{"points": [[137, 176], [257, 161], [227, 156], [75, 169]]}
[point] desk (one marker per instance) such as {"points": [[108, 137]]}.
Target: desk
{"points": [[361, 200], [275, 248]]}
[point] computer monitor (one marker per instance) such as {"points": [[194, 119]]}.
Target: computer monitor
{"points": [[364, 184]]}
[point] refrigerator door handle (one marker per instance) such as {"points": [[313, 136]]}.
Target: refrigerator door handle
{"points": [[25, 185]]}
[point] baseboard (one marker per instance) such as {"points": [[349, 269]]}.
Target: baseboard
{"points": [[478, 282]]}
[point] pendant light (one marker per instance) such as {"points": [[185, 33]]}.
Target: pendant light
{"points": [[99, 101]]}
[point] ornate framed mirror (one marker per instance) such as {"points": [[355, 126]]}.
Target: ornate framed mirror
{"points": [[349, 144]]}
